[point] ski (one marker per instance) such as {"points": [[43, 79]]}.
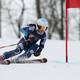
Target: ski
{"points": [[7, 62]]}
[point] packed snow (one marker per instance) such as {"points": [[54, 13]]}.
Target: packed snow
{"points": [[55, 69]]}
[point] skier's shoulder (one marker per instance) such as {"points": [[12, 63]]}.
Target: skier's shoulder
{"points": [[31, 26]]}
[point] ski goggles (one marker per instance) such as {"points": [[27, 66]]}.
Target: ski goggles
{"points": [[42, 27]]}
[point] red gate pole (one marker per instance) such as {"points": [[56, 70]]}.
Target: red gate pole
{"points": [[67, 5]]}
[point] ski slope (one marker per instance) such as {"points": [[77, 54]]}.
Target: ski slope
{"points": [[54, 69]]}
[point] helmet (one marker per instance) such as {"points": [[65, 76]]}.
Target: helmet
{"points": [[42, 22]]}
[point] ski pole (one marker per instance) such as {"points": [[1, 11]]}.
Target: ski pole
{"points": [[7, 46]]}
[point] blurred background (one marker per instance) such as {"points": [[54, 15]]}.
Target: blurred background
{"points": [[74, 24], [15, 14]]}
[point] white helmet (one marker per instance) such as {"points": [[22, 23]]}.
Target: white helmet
{"points": [[42, 22]]}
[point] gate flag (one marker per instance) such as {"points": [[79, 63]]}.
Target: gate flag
{"points": [[73, 3]]}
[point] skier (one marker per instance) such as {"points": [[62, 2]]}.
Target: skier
{"points": [[32, 34]]}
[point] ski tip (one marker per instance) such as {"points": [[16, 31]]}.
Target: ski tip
{"points": [[44, 60]]}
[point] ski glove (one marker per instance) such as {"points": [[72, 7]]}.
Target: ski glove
{"points": [[38, 52]]}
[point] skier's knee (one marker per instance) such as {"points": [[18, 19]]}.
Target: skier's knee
{"points": [[20, 45], [18, 50]]}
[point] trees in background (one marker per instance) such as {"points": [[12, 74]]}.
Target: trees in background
{"points": [[53, 10], [38, 9], [15, 12]]}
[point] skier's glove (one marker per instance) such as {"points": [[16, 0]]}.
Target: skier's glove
{"points": [[38, 52]]}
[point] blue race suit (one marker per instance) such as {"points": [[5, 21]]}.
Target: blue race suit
{"points": [[29, 42]]}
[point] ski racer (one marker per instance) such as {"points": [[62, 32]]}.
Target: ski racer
{"points": [[32, 34]]}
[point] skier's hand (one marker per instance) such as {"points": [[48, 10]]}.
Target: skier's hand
{"points": [[38, 52]]}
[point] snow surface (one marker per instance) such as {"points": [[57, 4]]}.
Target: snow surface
{"points": [[54, 69]]}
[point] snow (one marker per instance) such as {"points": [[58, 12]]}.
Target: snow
{"points": [[54, 69]]}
